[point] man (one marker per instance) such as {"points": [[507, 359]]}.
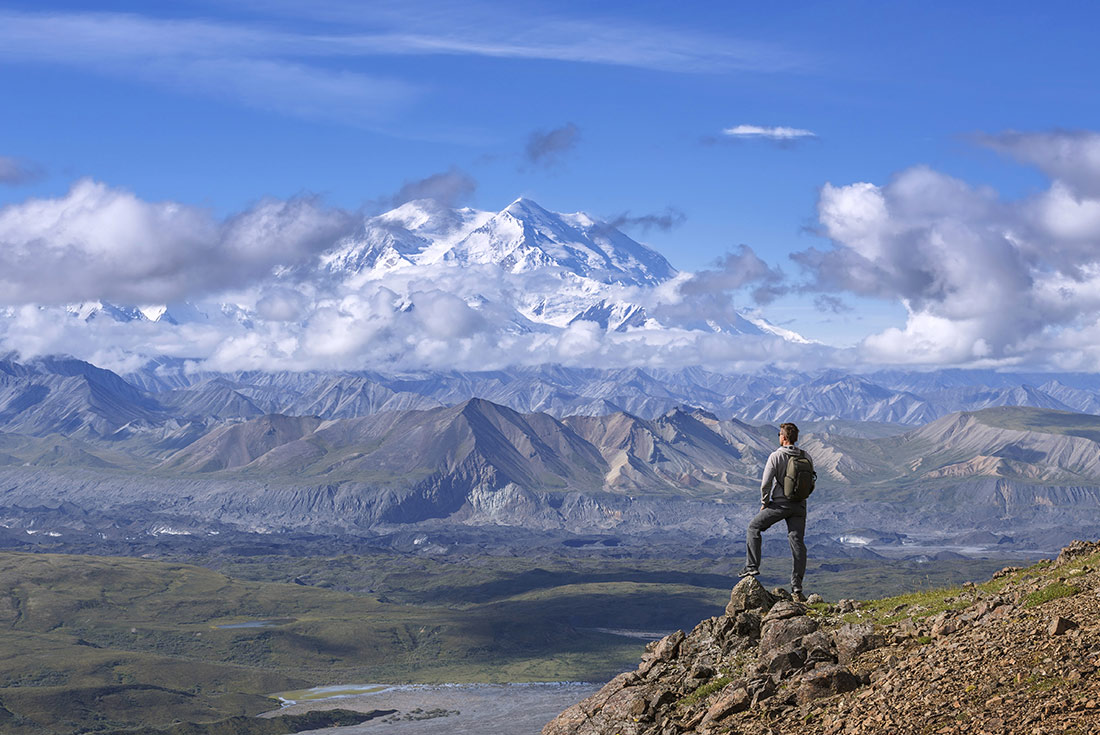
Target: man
{"points": [[775, 507]]}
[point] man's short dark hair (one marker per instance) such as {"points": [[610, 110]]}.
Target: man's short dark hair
{"points": [[789, 432]]}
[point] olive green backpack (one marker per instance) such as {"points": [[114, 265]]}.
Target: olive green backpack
{"points": [[799, 478]]}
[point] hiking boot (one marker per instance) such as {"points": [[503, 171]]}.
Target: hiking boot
{"points": [[748, 572], [797, 596]]}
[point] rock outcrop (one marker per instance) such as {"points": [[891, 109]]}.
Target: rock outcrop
{"points": [[1018, 654]]}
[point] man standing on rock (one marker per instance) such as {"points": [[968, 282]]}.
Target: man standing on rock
{"points": [[775, 506]]}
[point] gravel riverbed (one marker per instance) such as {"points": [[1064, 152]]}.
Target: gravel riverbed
{"points": [[485, 709]]}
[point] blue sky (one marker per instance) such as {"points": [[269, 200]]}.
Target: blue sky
{"points": [[220, 104]]}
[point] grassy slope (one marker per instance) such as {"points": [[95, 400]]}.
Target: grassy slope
{"points": [[1044, 421]]}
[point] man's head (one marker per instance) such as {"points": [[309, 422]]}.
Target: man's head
{"points": [[788, 434]]}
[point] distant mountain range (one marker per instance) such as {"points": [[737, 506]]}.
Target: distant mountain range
{"points": [[578, 451], [73, 397]]}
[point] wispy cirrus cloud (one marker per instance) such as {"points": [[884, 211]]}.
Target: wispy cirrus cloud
{"points": [[252, 66], [14, 171], [665, 221], [773, 133], [546, 147], [305, 69]]}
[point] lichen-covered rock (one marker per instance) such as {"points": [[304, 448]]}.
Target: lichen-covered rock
{"points": [[669, 646], [786, 661], [824, 681], [785, 609], [749, 595], [777, 634], [853, 639], [819, 647], [734, 698]]}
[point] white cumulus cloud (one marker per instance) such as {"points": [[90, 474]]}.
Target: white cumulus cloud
{"points": [[984, 280], [98, 242]]}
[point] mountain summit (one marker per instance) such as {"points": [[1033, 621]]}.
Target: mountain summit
{"points": [[522, 238]]}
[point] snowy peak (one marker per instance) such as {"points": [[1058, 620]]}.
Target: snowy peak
{"points": [[524, 237]]}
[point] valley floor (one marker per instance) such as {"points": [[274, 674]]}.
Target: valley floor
{"points": [[484, 709]]}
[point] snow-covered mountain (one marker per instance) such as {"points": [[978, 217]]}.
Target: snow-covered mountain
{"points": [[568, 268], [524, 277], [522, 238]]}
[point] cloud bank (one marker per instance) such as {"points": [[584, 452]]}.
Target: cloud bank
{"points": [[985, 281], [97, 242]]}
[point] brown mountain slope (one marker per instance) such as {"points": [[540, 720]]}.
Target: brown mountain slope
{"points": [[1018, 654]]}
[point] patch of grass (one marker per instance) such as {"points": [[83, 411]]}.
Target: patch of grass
{"points": [[1036, 683], [1052, 591], [704, 691], [921, 604], [924, 640]]}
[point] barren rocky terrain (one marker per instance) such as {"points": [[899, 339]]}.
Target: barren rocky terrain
{"points": [[1017, 654]]}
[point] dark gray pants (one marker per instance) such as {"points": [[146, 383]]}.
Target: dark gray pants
{"points": [[795, 516]]}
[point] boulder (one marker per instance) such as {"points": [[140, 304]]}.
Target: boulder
{"points": [[749, 595], [784, 609], [786, 661], [731, 700], [669, 646], [853, 639], [945, 626], [748, 624], [819, 648], [824, 681], [777, 634]]}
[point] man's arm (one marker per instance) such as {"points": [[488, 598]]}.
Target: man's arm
{"points": [[767, 480]]}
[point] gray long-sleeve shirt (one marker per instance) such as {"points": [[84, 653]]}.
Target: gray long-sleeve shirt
{"points": [[771, 484]]}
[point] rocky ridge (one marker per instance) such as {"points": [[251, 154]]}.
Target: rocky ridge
{"points": [[1017, 654]]}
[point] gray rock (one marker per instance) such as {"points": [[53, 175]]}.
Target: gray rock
{"points": [[853, 639], [780, 633], [731, 700], [815, 599], [786, 661], [748, 624], [819, 648], [749, 595], [824, 681], [846, 606], [783, 610]]}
